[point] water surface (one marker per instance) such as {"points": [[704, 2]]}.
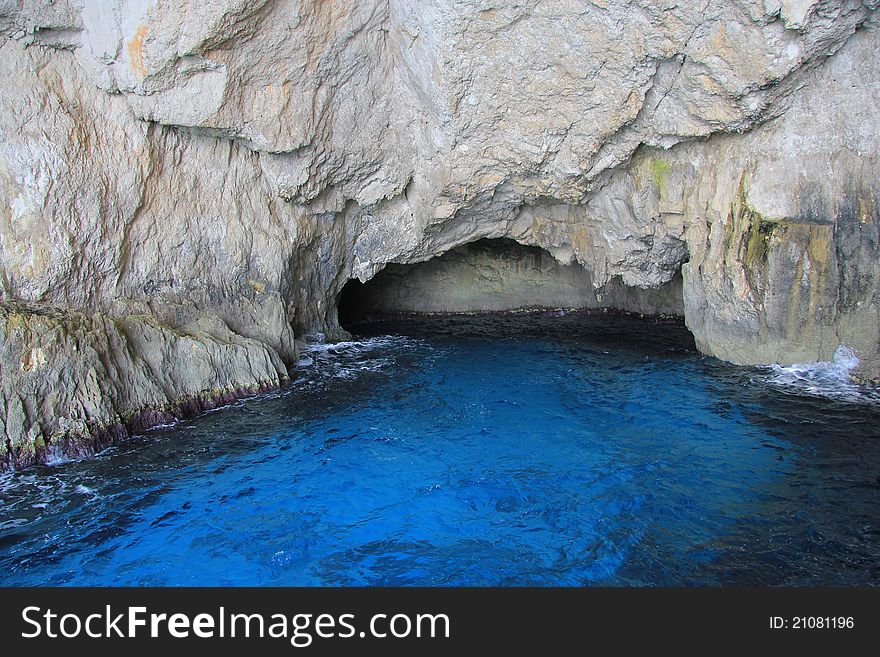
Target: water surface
{"points": [[515, 450]]}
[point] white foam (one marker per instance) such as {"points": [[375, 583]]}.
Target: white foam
{"points": [[357, 346], [319, 350], [824, 379], [171, 424], [350, 358], [53, 459]]}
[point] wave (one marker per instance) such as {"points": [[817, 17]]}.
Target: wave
{"points": [[829, 379], [363, 345], [350, 358]]}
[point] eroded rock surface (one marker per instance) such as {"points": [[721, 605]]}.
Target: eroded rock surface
{"points": [[496, 276], [210, 174]]}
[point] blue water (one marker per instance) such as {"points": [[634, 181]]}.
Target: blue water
{"points": [[517, 450]]}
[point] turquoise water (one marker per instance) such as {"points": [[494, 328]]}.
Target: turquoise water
{"points": [[517, 450]]}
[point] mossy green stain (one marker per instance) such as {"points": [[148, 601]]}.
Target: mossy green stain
{"points": [[757, 247], [747, 238], [659, 170]]}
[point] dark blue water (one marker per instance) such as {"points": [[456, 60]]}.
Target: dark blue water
{"points": [[530, 450]]}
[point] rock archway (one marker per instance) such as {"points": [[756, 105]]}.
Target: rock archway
{"points": [[494, 275]]}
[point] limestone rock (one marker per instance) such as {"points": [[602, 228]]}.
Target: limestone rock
{"points": [[496, 276], [181, 167], [73, 382]]}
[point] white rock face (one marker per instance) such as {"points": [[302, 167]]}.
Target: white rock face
{"points": [[232, 164]]}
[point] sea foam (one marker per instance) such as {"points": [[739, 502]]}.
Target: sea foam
{"points": [[830, 379]]}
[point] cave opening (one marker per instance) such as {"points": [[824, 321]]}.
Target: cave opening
{"points": [[494, 275], [352, 308]]}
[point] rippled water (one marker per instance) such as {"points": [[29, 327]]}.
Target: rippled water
{"points": [[517, 450]]}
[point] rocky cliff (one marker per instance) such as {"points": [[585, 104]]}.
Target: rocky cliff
{"points": [[185, 187]]}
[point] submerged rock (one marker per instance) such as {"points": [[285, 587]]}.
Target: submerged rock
{"points": [[187, 187]]}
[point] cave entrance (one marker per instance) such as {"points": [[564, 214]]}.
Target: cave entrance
{"points": [[493, 275], [353, 308]]}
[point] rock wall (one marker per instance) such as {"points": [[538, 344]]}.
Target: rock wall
{"points": [[208, 176], [492, 276]]}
